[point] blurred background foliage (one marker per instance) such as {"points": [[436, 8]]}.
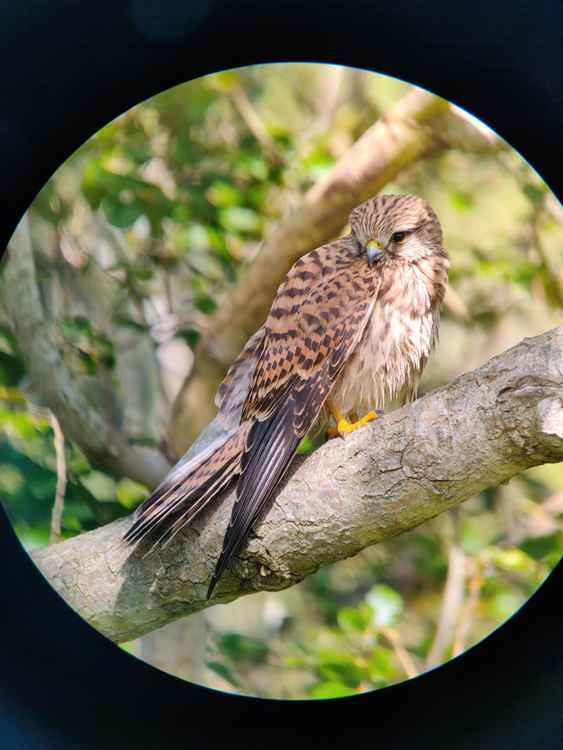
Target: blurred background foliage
{"points": [[137, 237]]}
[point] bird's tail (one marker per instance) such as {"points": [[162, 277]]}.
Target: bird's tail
{"points": [[187, 489]]}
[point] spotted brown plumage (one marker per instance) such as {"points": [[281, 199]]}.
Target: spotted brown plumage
{"points": [[350, 329]]}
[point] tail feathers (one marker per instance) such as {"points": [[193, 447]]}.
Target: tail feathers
{"points": [[208, 492], [186, 490], [271, 446]]}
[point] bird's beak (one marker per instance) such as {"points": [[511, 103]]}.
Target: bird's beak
{"points": [[374, 250]]}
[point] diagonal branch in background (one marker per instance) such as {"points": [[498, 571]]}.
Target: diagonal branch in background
{"points": [[418, 125], [479, 431], [103, 443]]}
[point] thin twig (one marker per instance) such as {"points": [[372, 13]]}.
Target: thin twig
{"points": [[467, 616], [451, 604], [252, 120], [328, 101], [59, 440], [59, 443], [403, 656]]}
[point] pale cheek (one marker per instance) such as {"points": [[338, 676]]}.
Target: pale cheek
{"points": [[411, 248]]}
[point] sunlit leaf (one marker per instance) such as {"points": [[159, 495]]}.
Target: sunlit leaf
{"points": [[306, 445], [386, 604], [334, 665], [100, 485], [461, 200], [355, 618], [224, 195], [513, 560], [130, 493], [331, 690], [11, 479], [382, 665], [238, 219]]}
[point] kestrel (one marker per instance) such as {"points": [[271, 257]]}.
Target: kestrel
{"points": [[350, 330]]}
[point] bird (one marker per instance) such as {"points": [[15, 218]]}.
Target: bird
{"points": [[349, 331]]}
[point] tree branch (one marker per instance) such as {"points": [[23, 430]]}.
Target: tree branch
{"points": [[52, 380], [417, 125], [479, 431]]}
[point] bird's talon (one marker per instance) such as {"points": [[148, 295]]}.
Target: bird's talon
{"points": [[369, 417], [344, 427]]}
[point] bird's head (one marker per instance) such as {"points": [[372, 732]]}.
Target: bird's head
{"points": [[399, 226]]}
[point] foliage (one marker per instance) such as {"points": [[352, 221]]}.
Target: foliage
{"points": [[136, 239]]}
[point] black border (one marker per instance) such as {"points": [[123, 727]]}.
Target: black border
{"points": [[68, 68]]}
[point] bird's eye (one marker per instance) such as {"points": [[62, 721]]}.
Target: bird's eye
{"points": [[398, 236]]}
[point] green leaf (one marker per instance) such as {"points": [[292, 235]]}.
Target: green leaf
{"points": [[11, 479], [190, 336], [242, 648], [224, 195], [533, 194], [223, 671], [100, 485], [305, 446], [513, 560], [331, 690], [25, 425], [119, 213], [382, 665], [334, 666], [224, 81], [355, 618], [385, 603], [130, 493], [205, 303], [540, 547], [12, 369], [461, 200], [505, 604], [238, 219]]}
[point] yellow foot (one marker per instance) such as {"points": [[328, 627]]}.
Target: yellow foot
{"points": [[343, 426]]}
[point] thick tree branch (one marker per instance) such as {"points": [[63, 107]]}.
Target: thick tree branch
{"points": [[52, 380], [416, 126], [479, 431]]}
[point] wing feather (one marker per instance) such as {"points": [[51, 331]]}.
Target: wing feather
{"points": [[304, 349]]}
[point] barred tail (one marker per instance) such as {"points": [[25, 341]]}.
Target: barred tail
{"points": [[186, 490]]}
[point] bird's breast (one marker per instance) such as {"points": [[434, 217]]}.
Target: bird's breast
{"points": [[389, 359]]}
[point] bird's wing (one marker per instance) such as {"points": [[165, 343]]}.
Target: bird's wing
{"points": [[315, 323], [233, 391]]}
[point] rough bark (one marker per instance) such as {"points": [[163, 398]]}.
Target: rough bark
{"points": [[405, 468], [418, 125], [100, 440]]}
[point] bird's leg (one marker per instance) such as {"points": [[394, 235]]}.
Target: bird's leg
{"points": [[343, 426]]}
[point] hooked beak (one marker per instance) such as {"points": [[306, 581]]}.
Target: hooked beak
{"points": [[373, 251]]}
